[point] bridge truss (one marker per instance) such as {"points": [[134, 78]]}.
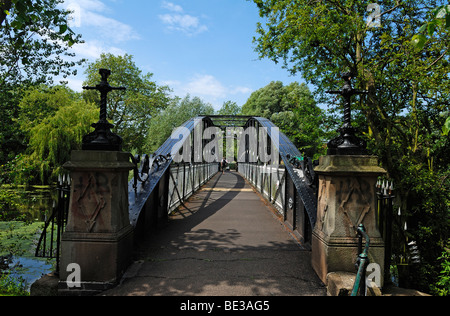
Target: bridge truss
{"points": [[190, 158]]}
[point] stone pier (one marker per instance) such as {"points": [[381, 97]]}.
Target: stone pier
{"points": [[98, 237], [346, 199]]}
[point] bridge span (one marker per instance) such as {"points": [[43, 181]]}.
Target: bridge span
{"points": [[226, 240], [270, 228], [188, 229]]}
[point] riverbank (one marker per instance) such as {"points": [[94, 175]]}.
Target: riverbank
{"points": [[18, 267]]}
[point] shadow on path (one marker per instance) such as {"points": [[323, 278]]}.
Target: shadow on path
{"points": [[224, 242]]}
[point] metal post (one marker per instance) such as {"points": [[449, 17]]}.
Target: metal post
{"points": [[362, 262], [102, 138], [347, 143]]}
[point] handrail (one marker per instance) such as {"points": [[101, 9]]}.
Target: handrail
{"points": [[58, 218], [362, 262]]}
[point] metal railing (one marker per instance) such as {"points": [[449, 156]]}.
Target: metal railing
{"points": [[49, 244], [186, 179], [400, 252], [362, 262], [268, 180]]}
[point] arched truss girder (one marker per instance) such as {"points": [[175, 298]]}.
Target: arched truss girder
{"points": [[153, 168], [302, 183]]}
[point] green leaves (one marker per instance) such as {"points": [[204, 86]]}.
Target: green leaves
{"points": [[132, 110], [419, 41], [35, 38], [440, 18], [446, 128]]}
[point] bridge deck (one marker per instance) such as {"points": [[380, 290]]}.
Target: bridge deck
{"points": [[225, 242]]}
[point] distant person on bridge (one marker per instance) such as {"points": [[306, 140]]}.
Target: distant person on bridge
{"points": [[223, 164]]}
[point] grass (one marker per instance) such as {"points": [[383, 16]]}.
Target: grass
{"points": [[11, 287], [19, 238]]}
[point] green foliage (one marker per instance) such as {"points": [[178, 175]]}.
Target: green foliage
{"points": [[229, 108], [8, 205], [34, 38], [177, 113], [440, 17], [52, 141], [53, 121], [293, 109], [409, 89], [40, 102], [446, 128], [12, 287], [442, 287], [12, 140], [18, 238], [132, 110]]}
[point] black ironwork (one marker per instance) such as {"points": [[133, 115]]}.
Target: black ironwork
{"points": [[102, 138], [305, 186], [347, 143], [147, 187], [157, 167], [362, 262], [386, 196], [49, 244], [400, 252]]}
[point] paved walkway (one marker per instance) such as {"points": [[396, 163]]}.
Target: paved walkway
{"points": [[225, 242]]}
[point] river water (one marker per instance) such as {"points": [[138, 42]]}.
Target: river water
{"points": [[30, 205]]}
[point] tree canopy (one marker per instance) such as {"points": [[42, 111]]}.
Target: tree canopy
{"points": [[404, 116], [53, 121], [178, 112], [294, 110], [130, 111], [35, 41]]}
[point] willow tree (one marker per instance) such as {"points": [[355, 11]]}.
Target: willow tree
{"points": [[52, 141], [53, 121], [409, 91], [35, 47]]}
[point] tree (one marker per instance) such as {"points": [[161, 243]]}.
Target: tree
{"points": [[41, 102], [409, 89], [52, 141], [265, 101], [34, 38], [34, 48], [53, 121], [229, 108], [293, 109], [177, 113], [131, 111]]}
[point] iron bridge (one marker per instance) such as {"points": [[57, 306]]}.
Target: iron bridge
{"points": [[190, 158]]}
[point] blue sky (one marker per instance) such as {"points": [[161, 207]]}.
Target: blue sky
{"points": [[199, 47]]}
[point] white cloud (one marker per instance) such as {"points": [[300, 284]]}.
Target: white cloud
{"points": [[111, 29], [206, 85], [185, 23], [172, 7], [240, 90], [92, 14], [208, 88], [93, 50], [87, 5], [74, 84]]}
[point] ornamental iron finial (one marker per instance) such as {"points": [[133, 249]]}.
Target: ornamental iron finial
{"points": [[347, 143], [102, 139]]}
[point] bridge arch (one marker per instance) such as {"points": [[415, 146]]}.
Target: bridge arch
{"points": [[190, 157]]}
